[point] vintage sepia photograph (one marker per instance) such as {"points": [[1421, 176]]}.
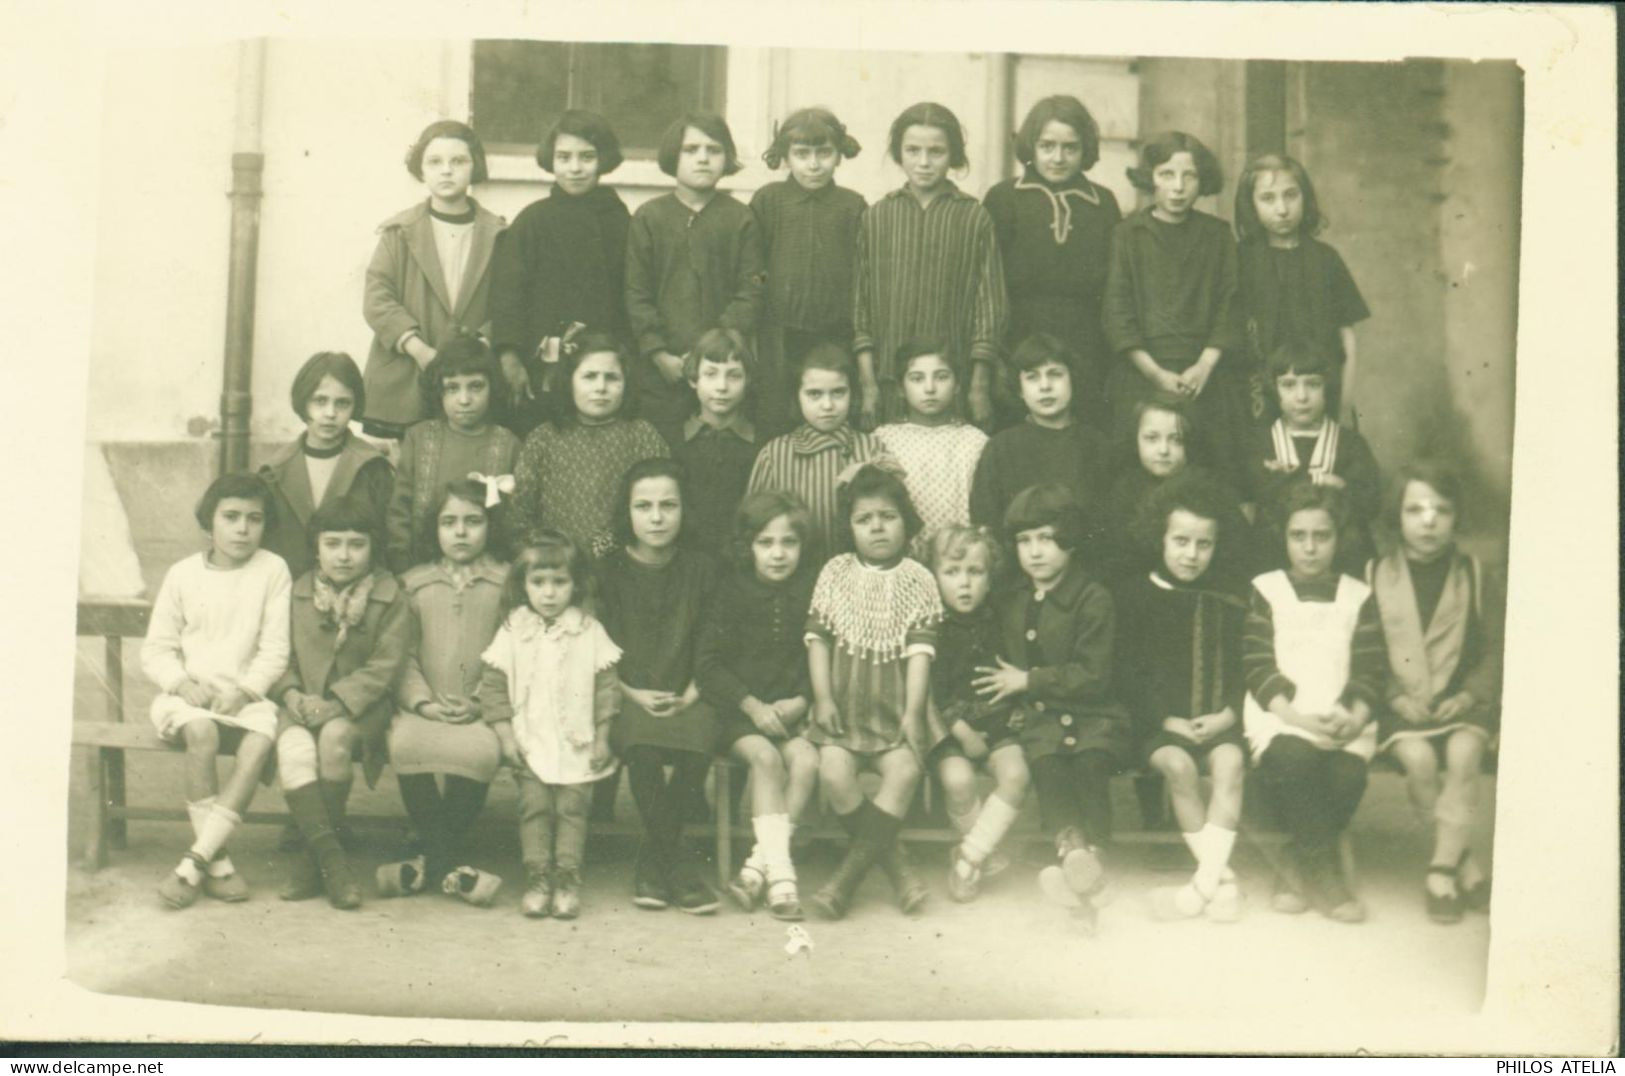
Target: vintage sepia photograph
{"points": [[736, 530]]}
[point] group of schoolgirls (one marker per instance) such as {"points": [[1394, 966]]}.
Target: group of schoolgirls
{"points": [[800, 551]]}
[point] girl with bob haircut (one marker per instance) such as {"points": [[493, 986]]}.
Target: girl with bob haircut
{"points": [[752, 666], [1294, 288], [1179, 664], [720, 440], [568, 469], [216, 642], [809, 228], [560, 268], [1056, 633], [429, 279], [351, 628], [1055, 228], [549, 691], [654, 593], [1313, 658], [871, 634], [1170, 311], [325, 463], [464, 394], [1443, 620], [808, 461], [444, 756], [1052, 444], [927, 264], [693, 262]]}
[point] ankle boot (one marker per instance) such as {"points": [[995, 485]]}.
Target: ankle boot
{"points": [[874, 831], [335, 799], [343, 891], [905, 881]]}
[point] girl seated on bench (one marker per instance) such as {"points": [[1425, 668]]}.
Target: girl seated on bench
{"points": [[217, 640]]}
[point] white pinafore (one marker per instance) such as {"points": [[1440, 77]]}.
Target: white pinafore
{"points": [[1313, 643]]}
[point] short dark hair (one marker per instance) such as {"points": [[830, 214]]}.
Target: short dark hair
{"points": [[1048, 504], [1161, 147], [756, 510], [873, 481], [548, 549], [929, 114], [335, 364], [914, 347], [1197, 451], [708, 123], [1444, 479], [722, 345], [1296, 355], [814, 126], [591, 342], [828, 355], [1303, 495], [448, 129], [654, 467], [1201, 496], [1039, 349], [348, 513], [243, 485], [1062, 108], [463, 354], [1248, 226], [471, 492], [588, 126]]}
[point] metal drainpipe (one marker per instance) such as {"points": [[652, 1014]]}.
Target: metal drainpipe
{"points": [[247, 167], [1000, 99]]}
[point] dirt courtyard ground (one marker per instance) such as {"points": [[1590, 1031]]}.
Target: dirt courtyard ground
{"points": [[1006, 956]]}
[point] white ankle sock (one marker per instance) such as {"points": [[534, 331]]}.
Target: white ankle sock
{"points": [[992, 823], [197, 811], [773, 838], [189, 870], [215, 830], [1215, 843]]}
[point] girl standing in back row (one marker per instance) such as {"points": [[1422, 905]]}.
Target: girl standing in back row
{"points": [[928, 264]]}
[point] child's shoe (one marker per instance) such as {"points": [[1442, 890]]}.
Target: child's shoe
{"points": [[1444, 907], [784, 901], [690, 893], [179, 892], [747, 887], [290, 839], [906, 883], [304, 879], [225, 887], [537, 903], [566, 894], [1080, 864], [1329, 895], [471, 884], [964, 877], [1052, 881], [1225, 907], [401, 879], [1173, 902], [651, 890], [1288, 898]]}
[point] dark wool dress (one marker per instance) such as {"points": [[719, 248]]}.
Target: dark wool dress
{"points": [[966, 642], [1172, 293], [1027, 454], [562, 261], [1056, 246], [1304, 293], [1179, 655], [751, 644], [654, 614]]}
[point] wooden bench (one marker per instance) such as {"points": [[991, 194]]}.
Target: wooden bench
{"points": [[107, 740]]}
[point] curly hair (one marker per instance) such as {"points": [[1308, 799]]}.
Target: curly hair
{"points": [[878, 482], [548, 549]]}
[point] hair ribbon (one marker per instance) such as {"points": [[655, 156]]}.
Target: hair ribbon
{"points": [[495, 486]]}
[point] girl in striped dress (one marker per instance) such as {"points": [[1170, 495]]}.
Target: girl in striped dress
{"points": [[871, 634], [807, 461], [927, 262]]}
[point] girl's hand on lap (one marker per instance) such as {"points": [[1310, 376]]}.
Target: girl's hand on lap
{"points": [[601, 756], [510, 746], [827, 717], [791, 711], [765, 718], [1411, 711], [229, 701], [195, 694], [1454, 708]]}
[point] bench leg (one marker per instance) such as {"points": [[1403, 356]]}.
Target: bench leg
{"points": [[118, 830], [95, 794], [721, 775]]}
